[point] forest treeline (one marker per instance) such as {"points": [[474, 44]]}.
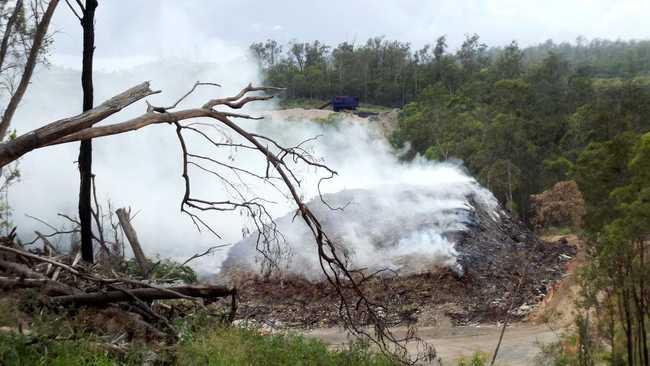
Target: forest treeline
{"points": [[517, 118], [393, 73], [522, 120]]}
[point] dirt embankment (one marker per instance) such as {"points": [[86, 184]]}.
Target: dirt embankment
{"points": [[558, 307]]}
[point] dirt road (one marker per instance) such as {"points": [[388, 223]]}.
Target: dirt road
{"points": [[519, 347]]}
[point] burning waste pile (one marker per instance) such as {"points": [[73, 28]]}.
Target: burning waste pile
{"points": [[405, 229], [446, 247]]}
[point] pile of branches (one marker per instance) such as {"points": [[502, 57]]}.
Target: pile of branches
{"points": [[561, 205], [64, 281]]}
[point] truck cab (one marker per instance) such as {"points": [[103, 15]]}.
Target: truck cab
{"points": [[340, 103]]}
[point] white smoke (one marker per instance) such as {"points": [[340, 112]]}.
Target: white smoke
{"points": [[403, 216], [142, 169], [139, 169]]}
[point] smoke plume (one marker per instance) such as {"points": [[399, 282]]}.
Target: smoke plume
{"points": [[384, 213], [142, 170]]}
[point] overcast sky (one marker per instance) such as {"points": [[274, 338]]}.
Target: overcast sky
{"points": [[132, 32]]}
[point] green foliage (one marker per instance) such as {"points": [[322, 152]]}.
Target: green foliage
{"points": [[391, 73], [603, 163], [332, 119], [8, 312], [613, 176], [9, 176], [533, 110], [555, 354], [50, 340], [166, 269], [561, 230], [477, 359], [238, 346], [521, 120], [58, 339], [520, 128], [301, 103], [24, 350]]}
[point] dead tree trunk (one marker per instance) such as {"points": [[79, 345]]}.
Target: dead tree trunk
{"points": [[49, 287], [9, 29], [131, 235], [86, 148], [143, 294]]}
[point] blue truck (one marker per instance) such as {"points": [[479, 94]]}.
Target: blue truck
{"points": [[340, 103]]}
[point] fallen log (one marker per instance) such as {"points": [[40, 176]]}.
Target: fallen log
{"points": [[143, 294], [39, 258], [50, 287], [19, 269]]}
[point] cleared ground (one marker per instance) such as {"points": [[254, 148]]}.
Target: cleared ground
{"points": [[520, 342]]}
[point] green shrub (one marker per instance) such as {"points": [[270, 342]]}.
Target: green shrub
{"points": [[163, 269], [57, 339], [477, 359], [16, 349], [332, 119], [238, 346], [555, 354]]}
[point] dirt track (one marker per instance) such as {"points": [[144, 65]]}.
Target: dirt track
{"points": [[519, 347]]}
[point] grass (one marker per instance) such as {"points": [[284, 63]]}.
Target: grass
{"points": [[59, 339], [17, 349], [215, 347], [234, 346], [332, 119], [49, 340], [373, 108], [558, 230], [8, 312], [477, 359], [301, 103]]}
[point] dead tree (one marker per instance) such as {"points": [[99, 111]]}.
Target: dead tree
{"points": [[85, 161], [356, 310], [124, 217]]}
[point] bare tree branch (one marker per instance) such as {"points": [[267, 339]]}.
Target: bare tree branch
{"points": [[46, 135], [73, 10], [151, 108]]}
